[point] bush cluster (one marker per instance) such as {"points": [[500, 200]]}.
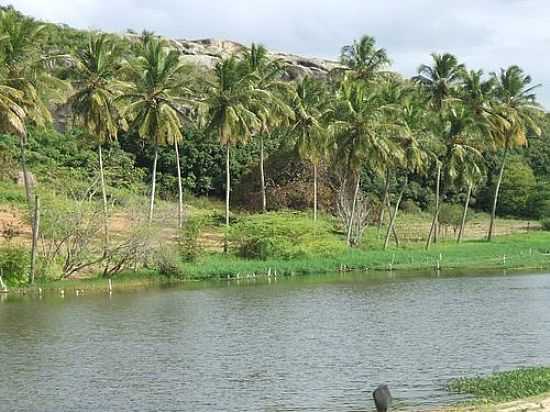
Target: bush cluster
{"points": [[284, 235]]}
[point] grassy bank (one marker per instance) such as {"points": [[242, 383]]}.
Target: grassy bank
{"points": [[514, 252], [525, 251], [505, 386]]}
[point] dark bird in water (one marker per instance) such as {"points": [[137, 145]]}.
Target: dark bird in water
{"points": [[382, 398]]}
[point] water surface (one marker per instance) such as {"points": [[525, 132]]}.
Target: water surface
{"points": [[301, 344]]}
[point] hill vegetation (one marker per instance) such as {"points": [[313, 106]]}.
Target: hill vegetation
{"points": [[92, 124]]}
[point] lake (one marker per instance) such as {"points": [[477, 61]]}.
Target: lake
{"points": [[317, 343]]}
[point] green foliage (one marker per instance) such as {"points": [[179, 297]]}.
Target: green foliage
{"points": [[545, 223], [14, 264], [166, 262], [409, 206], [11, 193], [451, 214], [505, 386], [517, 186], [284, 235], [188, 242]]}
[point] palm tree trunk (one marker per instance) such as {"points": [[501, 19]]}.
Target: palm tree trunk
{"points": [[384, 201], [353, 205], [153, 185], [434, 225], [227, 194], [26, 179], [262, 174], [104, 197], [465, 213], [314, 192], [393, 219], [437, 204], [394, 232], [35, 232], [495, 198], [180, 188]]}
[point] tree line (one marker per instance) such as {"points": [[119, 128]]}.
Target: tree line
{"points": [[361, 117]]}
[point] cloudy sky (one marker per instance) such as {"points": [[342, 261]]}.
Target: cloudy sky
{"points": [[486, 34]]}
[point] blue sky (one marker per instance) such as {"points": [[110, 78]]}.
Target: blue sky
{"points": [[486, 34]]}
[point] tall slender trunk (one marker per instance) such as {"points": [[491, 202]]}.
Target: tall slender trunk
{"points": [[394, 232], [180, 188], [394, 218], [35, 231], [465, 213], [153, 186], [262, 174], [495, 198], [437, 204], [384, 201], [227, 195], [105, 206], [435, 220], [315, 191], [26, 178], [353, 205]]}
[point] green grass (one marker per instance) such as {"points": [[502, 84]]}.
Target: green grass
{"points": [[505, 386], [525, 251]]}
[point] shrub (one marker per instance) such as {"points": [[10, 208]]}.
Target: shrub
{"points": [[451, 215], [14, 264], [410, 206], [166, 262], [188, 244], [545, 223], [517, 186], [284, 235], [11, 193]]}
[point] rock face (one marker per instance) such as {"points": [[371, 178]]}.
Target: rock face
{"points": [[207, 52]]}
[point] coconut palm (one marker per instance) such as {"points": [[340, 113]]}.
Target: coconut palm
{"points": [[93, 106], [440, 80], [410, 135], [511, 116], [362, 137], [477, 92], [271, 95], [24, 69], [471, 174], [310, 111], [363, 58], [151, 102], [440, 84], [229, 103]]}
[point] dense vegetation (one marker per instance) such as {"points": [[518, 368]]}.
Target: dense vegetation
{"points": [[505, 386], [104, 120]]}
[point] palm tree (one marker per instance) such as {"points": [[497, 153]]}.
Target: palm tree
{"points": [[310, 111], [471, 175], [409, 133], [440, 80], [271, 92], [12, 114], [363, 58], [93, 106], [440, 84], [151, 102], [229, 104], [512, 115], [24, 70], [362, 137]]}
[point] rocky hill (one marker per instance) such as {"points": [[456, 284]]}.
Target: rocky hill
{"points": [[207, 52]]}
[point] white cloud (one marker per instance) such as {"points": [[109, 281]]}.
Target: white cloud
{"points": [[487, 34]]}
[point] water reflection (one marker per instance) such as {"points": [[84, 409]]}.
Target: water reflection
{"points": [[318, 343]]}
